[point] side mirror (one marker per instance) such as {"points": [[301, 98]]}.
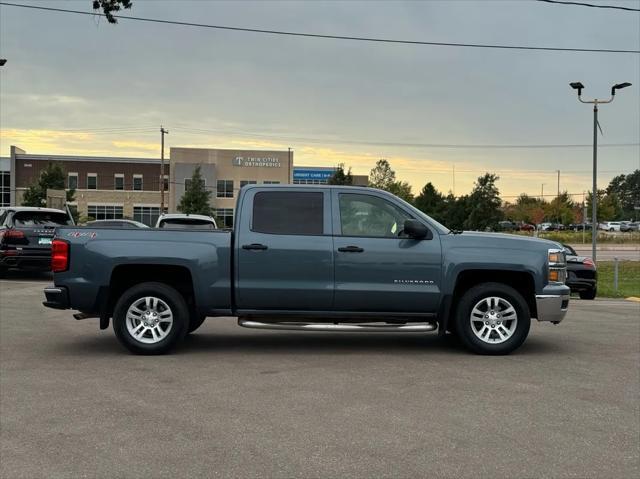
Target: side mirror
{"points": [[416, 230]]}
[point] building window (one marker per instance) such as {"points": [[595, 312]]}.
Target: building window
{"points": [[247, 182], [92, 181], [137, 182], [147, 214], [310, 182], [267, 182], [288, 213], [224, 189], [165, 182], [118, 182], [5, 188], [72, 181], [105, 212], [224, 217]]}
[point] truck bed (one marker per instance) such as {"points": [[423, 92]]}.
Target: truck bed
{"points": [[97, 255]]}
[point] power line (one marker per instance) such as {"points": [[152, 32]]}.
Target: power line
{"points": [[398, 144], [582, 4], [322, 36]]}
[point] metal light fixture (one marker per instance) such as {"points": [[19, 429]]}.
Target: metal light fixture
{"points": [[594, 192]]}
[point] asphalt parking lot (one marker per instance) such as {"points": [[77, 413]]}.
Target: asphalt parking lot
{"points": [[243, 403]]}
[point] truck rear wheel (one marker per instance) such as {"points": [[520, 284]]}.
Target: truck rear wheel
{"points": [[150, 318], [493, 319]]}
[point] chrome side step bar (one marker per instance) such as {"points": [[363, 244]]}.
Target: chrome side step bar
{"points": [[345, 327]]}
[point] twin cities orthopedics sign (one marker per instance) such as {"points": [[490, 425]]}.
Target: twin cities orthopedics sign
{"points": [[257, 162]]}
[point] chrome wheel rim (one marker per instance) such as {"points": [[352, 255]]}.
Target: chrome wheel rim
{"points": [[149, 320], [493, 320]]}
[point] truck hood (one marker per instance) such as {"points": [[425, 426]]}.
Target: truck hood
{"points": [[474, 238]]}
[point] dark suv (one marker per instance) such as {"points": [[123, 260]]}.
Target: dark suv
{"points": [[25, 236]]}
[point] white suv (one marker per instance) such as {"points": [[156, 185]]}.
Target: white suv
{"points": [[610, 226]]}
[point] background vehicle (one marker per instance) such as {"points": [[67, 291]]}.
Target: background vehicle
{"points": [[507, 226], [186, 221], [116, 224], [582, 276], [526, 227], [610, 226], [26, 234], [312, 258], [580, 227], [630, 226]]}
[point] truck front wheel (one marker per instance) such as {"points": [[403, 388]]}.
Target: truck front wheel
{"points": [[492, 318], [150, 318]]}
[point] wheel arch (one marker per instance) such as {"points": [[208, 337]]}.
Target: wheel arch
{"points": [[521, 281], [128, 275]]}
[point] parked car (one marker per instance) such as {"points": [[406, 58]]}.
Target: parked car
{"points": [[507, 226], [610, 226], [630, 226], [526, 227], [26, 234], [186, 221], [582, 276], [310, 258], [545, 226], [116, 224], [580, 227]]}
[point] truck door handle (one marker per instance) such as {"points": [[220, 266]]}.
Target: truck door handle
{"points": [[351, 249], [256, 246]]}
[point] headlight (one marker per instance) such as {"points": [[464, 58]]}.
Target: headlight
{"points": [[557, 266]]}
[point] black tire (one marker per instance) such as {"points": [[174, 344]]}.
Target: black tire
{"points": [[178, 308], [589, 294], [464, 326], [195, 322]]}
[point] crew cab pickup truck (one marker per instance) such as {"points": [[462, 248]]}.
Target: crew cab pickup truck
{"points": [[311, 258]]}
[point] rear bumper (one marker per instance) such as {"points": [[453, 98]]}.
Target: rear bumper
{"points": [[553, 304], [25, 259], [57, 297]]}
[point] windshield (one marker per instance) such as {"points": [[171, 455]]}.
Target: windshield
{"points": [[29, 219], [184, 223]]}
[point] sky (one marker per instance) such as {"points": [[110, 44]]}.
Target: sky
{"points": [[77, 85]]}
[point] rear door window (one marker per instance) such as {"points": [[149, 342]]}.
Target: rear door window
{"points": [[32, 219], [288, 213]]}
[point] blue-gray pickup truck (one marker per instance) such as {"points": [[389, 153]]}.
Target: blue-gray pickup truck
{"points": [[311, 258]]}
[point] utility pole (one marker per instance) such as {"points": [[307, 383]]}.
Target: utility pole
{"points": [[542, 193], [594, 192], [162, 133], [454, 180], [289, 165], [558, 197]]}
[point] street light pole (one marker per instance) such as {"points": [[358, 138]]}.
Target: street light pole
{"points": [[162, 133], [594, 191]]}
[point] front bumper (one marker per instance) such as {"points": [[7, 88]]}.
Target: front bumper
{"points": [[553, 303], [57, 297]]}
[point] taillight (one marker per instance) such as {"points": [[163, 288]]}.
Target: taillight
{"points": [[589, 262], [11, 234], [59, 256]]}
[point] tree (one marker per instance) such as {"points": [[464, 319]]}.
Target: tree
{"points": [[608, 208], [108, 7], [431, 202], [456, 211], [382, 176], [196, 197], [527, 209], [627, 190], [401, 189], [52, 177], [561, 209], [484, 204], [340, 177]]}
